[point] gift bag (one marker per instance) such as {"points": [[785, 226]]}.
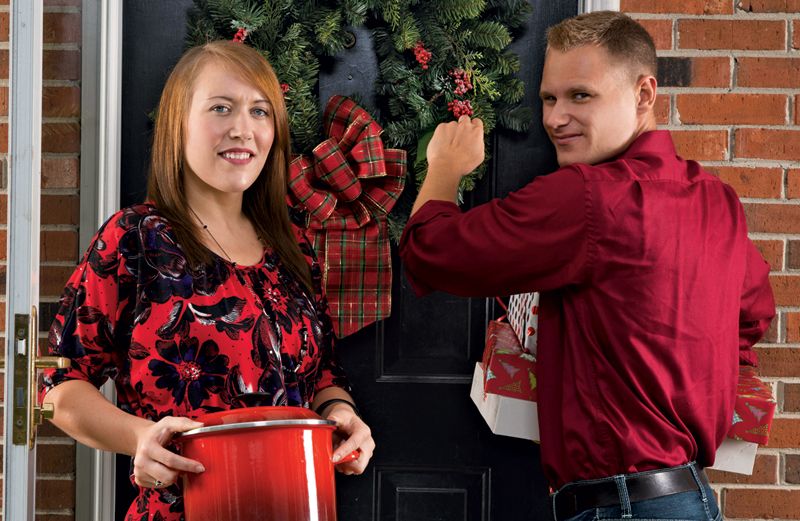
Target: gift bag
{"points": [[523, 315], [504, 384], [752, 419]]}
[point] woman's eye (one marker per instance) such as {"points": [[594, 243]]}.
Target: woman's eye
{"points": [[262, 113], [220, 109]]}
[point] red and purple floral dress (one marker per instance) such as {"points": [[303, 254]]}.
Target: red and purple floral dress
{"points": [[183, 341]]}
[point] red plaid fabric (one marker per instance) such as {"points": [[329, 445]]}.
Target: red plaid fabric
{"points": [[348, 186]]}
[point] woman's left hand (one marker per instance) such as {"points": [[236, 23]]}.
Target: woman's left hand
{"points": [[351, 434]]}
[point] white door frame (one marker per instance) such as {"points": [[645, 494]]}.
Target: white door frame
{"points": [[588, 6], [22, 278], [101, 91]]}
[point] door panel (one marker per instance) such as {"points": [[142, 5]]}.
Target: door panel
{"points": [[436, 459]]}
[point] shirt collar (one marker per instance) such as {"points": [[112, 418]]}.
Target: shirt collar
{"points": [[651, 143]]}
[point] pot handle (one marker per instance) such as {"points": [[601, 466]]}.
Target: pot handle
{"points": [[350, 457]]}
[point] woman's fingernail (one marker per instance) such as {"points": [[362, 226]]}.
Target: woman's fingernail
{"points": [[336, 457], [201, 468]]}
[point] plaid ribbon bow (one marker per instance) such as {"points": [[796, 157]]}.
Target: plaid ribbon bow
{"points": [[348, 186]]}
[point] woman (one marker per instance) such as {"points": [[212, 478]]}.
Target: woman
{"points": [[204, 298]]}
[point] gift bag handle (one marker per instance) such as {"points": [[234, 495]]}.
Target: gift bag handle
{"points": [[503, 307]]}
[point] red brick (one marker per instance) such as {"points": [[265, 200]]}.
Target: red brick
{"points": [[731, 34], [767, 144], [701, 145], [661, 31], [751, 182], [770, 6], [793, 184], [661, 109], [762, 503], [55, 494], [61, 65], [53, 3], [61, 102], [3, 138], [786, 289], [793, 256], [770, 335], [2, 316], [49, 430], [778, 361], [792, 468], [60, 172], [62, 28], [793, 331], [52, 279], [3, 101], [4, 26], [60, 209], [3, 244], [765, 472], [59, 246], [3, 208], [726, 109], [711, 72], [785, 433], [768, 72], [796, 34], [55, 458], [772, 251], [677, 6], [61, 137], [3, 63], [791, 397]]}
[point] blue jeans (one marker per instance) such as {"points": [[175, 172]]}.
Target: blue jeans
{"points": [[696, 505]]}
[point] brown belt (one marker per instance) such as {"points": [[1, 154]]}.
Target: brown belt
{"points": [[577, 497]]}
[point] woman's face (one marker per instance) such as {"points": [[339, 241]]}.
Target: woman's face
{"points": [[229, 132]]}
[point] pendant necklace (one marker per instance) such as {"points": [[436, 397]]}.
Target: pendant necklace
{"points": [[205, 227]]}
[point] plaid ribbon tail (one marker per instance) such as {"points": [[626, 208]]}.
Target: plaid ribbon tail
{"points": [[348, 186]]}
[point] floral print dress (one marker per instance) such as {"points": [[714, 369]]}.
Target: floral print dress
{"points": [[179, 341]]}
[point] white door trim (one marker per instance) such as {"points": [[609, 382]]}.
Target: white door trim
{"points": [[22, 278], [587, 6], [101, 89]]}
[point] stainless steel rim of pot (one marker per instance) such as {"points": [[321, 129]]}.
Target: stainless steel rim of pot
{"points": [[253, 425]]}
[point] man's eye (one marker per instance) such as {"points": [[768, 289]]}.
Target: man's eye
{"points": [[580, 96]]}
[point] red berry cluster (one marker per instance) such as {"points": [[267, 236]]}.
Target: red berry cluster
{"points": [[463, 85], [285, 87], [422, 55], [241, 34], [460, 108]]}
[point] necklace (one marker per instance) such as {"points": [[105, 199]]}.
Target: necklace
{"points": [[205, 227]]}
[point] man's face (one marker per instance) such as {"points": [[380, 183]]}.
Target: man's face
{"points": [[589, 105]]}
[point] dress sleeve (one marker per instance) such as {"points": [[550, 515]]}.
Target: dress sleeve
{"points": [[757, 305], [84, 329], [534, 239]]}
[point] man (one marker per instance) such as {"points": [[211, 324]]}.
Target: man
{"points": [[651, 291]]}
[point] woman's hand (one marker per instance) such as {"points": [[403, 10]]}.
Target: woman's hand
{"points": [[153, 465], [351, 434]]}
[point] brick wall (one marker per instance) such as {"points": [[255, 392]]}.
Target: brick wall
{"points": [[730, 87], [59, 215]]}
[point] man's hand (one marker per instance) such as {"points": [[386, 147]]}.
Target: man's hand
{"points": [[455, 150]]}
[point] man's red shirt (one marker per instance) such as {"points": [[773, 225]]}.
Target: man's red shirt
{"points": [[651, 295]]}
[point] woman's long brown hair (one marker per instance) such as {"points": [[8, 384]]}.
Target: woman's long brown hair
{"points": [[264, 202]]}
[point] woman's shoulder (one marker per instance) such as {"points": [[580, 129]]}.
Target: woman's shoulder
{"points": [[131, 221]]}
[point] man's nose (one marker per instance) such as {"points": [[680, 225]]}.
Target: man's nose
{"points": [[555, 116]]}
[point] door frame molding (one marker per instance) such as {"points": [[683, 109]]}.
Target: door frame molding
{"points": [[22, 279], [588, 6], [101, 125]]}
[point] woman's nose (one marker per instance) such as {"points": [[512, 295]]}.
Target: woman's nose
{"points": [[242, 127]]}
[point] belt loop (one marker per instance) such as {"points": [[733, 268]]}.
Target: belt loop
{"points": [[624, 498], [701, 487]]}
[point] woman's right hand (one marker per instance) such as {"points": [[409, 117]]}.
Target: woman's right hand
{"points": [[155, 466]]}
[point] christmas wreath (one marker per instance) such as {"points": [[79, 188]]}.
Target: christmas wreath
{"points": [[438, 59]]}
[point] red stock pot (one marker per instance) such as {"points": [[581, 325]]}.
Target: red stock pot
{"points": [[271, 463]]}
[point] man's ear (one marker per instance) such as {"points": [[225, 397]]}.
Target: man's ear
{"points": [[646, 87]]}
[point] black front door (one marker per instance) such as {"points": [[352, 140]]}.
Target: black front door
{"points": [[436, 459]]}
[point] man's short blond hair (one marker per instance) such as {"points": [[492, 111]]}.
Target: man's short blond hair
{"points": [[622, 37]]}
